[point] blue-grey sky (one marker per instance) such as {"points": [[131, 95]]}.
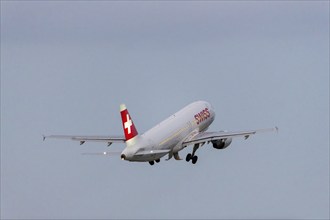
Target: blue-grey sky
{"points": [[67, 65]]}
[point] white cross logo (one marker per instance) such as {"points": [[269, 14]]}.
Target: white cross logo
{"points": [[128, 124]]}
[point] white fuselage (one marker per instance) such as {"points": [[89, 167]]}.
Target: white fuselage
{"points": [[170, 133]]}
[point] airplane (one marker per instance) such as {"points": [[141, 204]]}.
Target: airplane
{"points": [[186, 127]]}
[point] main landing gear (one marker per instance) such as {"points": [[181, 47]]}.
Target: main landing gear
{"points": [[192, 156], [153, 162]]}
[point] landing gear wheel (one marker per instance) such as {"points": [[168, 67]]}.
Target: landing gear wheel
{"points": [[151, 163], [157, 161], [188, 157], [194, 159]]}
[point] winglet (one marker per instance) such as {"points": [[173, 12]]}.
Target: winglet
{"points": [[267, 130]]}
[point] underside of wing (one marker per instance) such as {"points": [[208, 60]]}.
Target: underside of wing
{"points": [[204, 137], [150, 152], [83, 139], [105, 153]]}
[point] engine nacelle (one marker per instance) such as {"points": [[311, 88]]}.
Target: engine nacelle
{"points": [[221, 144]]}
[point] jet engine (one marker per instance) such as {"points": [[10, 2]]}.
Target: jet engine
{"points": [[221, 144]]}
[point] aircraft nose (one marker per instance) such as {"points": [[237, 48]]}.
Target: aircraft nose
{"points": [[211, 109]]}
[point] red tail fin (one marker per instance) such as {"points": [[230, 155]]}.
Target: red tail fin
{"points": [[128, 125]]}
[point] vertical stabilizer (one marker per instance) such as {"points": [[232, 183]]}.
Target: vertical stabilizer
{"points": [[128, 125]]}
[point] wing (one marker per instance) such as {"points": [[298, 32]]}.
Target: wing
{"points": [[105, 153], [83, 139], [150, 152], [213, 136]]}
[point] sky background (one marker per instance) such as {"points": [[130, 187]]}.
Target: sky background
{"points": [[66, 66]]}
